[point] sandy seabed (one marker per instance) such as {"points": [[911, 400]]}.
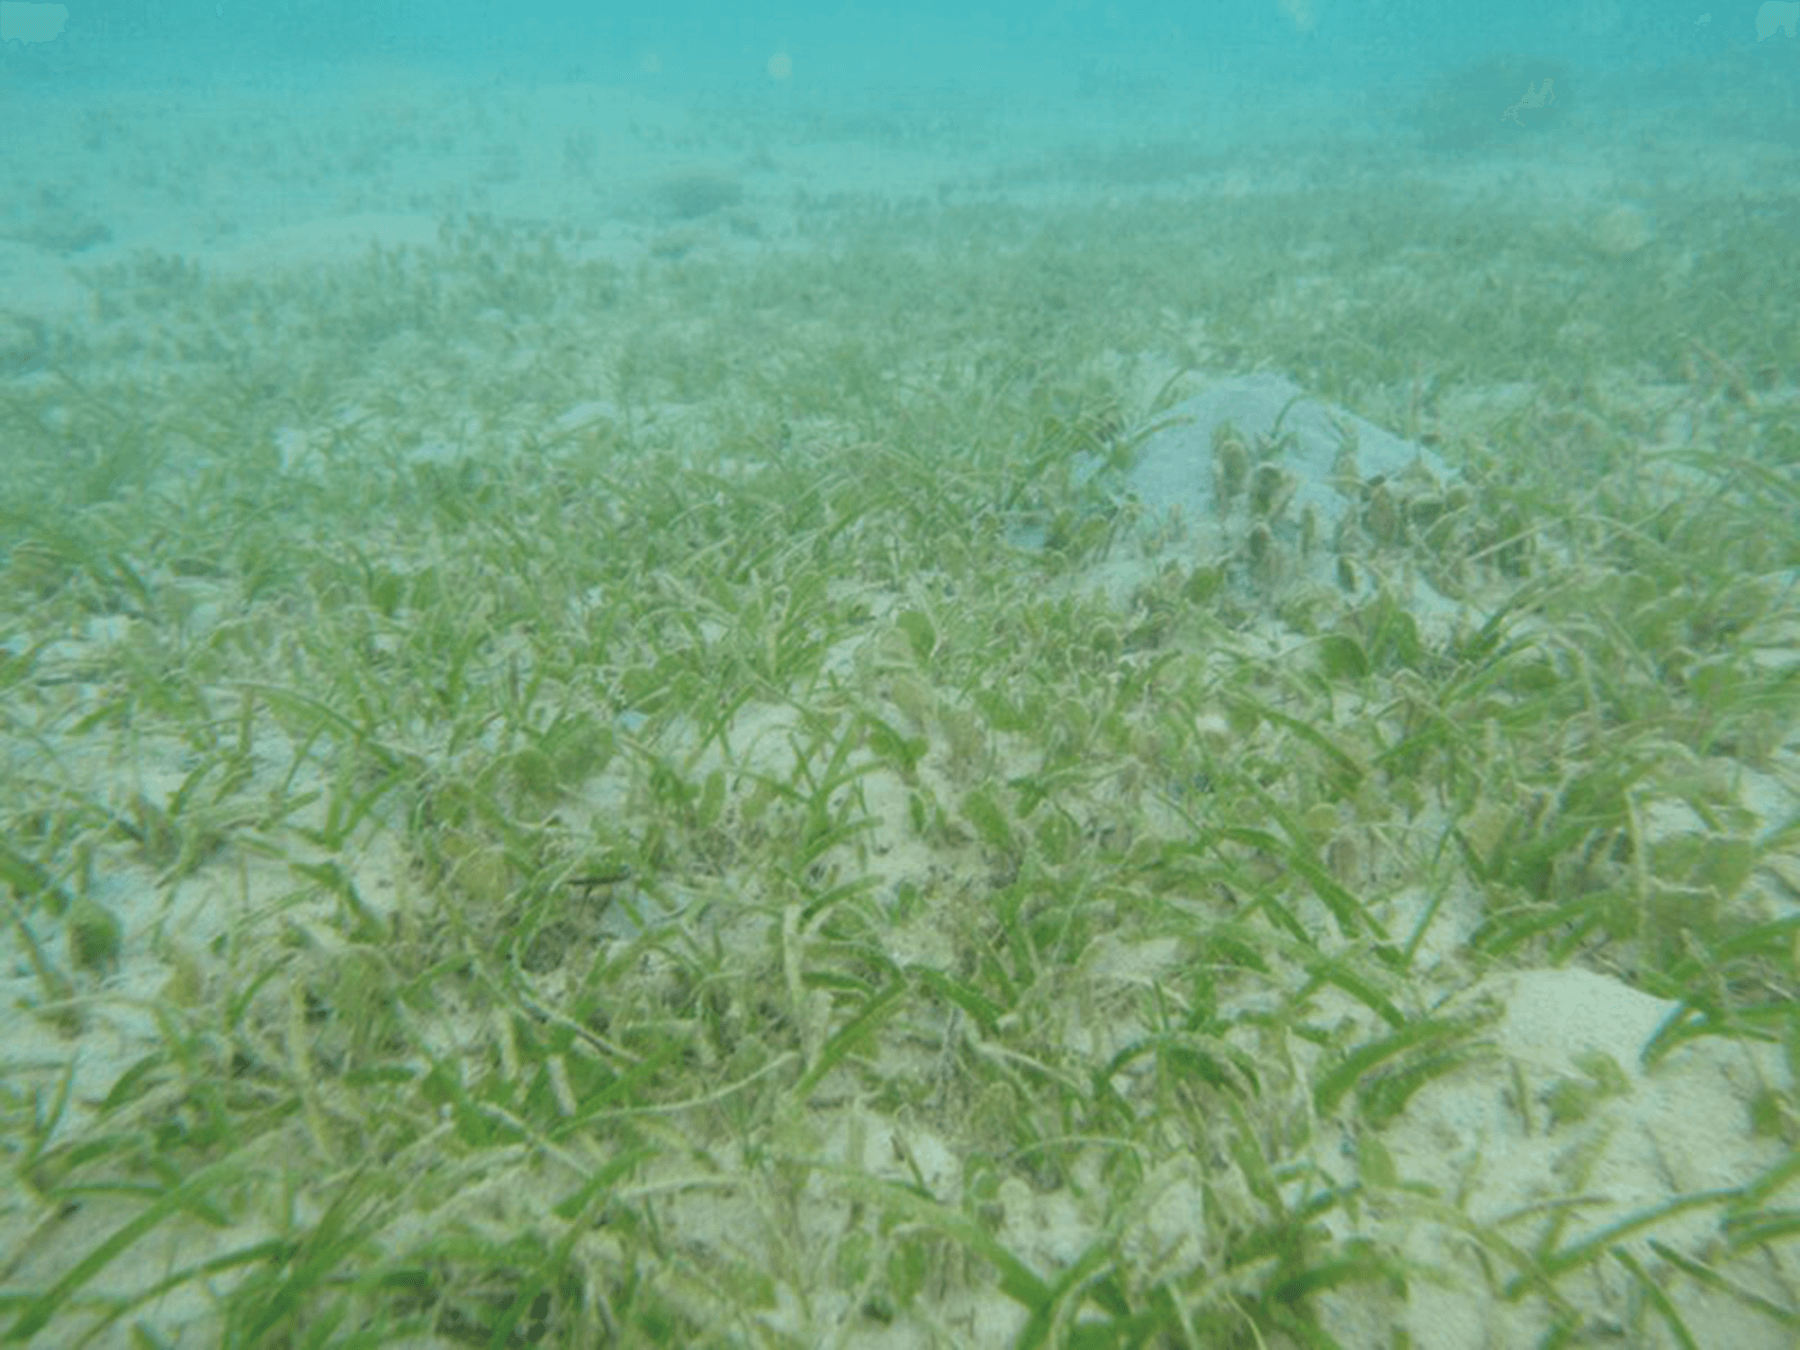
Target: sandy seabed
{"points": [[1501, 1057]]}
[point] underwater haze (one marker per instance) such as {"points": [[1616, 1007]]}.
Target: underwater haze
{"points": [[1080, 674]]}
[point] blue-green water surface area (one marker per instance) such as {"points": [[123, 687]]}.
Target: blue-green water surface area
{"points": [[1058, 674]]}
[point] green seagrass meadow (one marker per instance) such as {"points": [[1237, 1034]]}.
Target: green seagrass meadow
{"points": [[546, 803]]}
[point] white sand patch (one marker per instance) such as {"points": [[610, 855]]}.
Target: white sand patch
{"points": [[1600, 1138]]}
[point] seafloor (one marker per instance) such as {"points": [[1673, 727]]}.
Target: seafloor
{"points": [[603, 740]]}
